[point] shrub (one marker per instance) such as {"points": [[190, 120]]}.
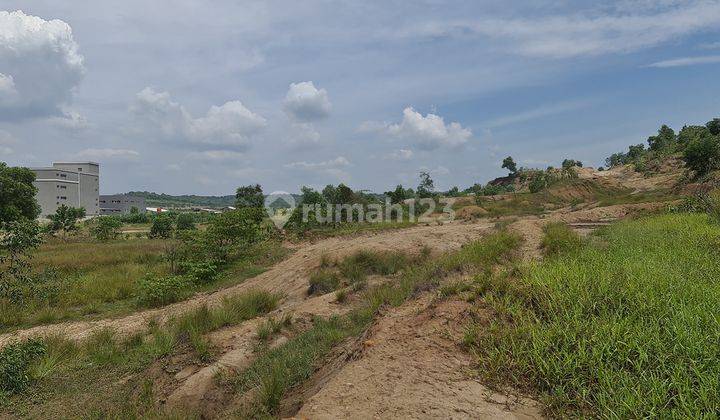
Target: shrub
{"points": [[15, 361], [106, 228], [702, 155], [65, 218], [185, 221], [559, 239], [162, 227], [202, 272], [158, 291]]}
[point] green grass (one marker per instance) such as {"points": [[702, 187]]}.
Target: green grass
{"points": [[99, 377], [99, 279], [559, 238], [274, 372], [345, 229], [626, 327]]}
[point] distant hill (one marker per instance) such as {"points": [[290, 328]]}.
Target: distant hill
{"points": [[166, 200]]}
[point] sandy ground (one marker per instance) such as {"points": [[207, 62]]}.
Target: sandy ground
{"points": [[412, 367]]}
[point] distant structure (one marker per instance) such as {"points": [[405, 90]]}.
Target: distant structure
{"points": [[120, 204], [74, 184]]}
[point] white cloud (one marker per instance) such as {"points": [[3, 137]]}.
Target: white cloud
{"points": [[304, 102], [564, 36], [229, 126], [217, 155], [71, 120], [400, 155], [338, 162], [40, 66], [710, 46], [108, 154], [425, 132], [687, 61], [543, 111]]}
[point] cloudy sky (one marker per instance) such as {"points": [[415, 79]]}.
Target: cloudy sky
{"points": [[189, 96]]}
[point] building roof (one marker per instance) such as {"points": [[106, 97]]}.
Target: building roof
{"points": [[77, 163]]}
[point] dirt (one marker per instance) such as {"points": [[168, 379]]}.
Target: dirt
{"points": [[411, 366], [289, 277]]}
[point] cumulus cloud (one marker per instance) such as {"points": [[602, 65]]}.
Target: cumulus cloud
{"points": [[427, 132], [108, 154], [687, 61], [40, 66], [562, 36], [400, 155], [304, 102], [226, 127]]}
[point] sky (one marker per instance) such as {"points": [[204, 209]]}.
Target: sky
{"points": [[197, 97]]}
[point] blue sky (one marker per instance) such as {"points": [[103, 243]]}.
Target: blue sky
{"points": [[180, 97]]}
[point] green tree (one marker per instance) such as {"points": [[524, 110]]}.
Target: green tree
{"points": [[703, 155], [65, 218], [397, 196], [18, 238], [17, 194], [509, 164], [185, 221], [569, 163], [330, 194], [345, 195], [714, 126], [162, 226], [249, 196], [690, 133], [106, 228], [664, 139], [426, 188]]}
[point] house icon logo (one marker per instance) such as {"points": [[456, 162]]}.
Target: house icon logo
{"points": [[280, 206]]}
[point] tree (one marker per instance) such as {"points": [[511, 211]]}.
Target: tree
{"points": [[330, 194], [397, 196], [106, 228], [509, 164], [569, 163], [17, 194], [162, 226], [249, 196], [714, 126], [427, 186], [453, 192], [65, 218], [664, 139], [185, 221], [703, 155], [692, 132], [17, 239], [345, 195]]}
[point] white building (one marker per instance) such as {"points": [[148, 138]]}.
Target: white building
{"points": [[74, 184]]}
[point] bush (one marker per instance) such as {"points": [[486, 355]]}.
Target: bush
{"points": [[185, 221], [15, 361], [202, 272], [106, 228], [702, 155], [158, 291], [559, 239], [162, 226]]}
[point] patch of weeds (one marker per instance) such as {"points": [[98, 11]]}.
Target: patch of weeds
{"points": [[341, 296], [560, 239], [324, 281], [15, 362]]}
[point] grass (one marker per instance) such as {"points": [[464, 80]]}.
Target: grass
{"points": [[626, 327], [99, 279], [559, 238], [354, 269], [345, 229], [274, 372], [99, 378]]}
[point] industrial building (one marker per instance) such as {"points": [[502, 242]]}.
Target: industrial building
{"points": [[120, 204], [74, 184]]}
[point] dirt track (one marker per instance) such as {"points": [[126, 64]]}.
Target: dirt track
{"points": [[289, 277]]}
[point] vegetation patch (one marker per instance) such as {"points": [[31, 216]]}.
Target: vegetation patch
{"points": [[559, 238], [627, 328]]}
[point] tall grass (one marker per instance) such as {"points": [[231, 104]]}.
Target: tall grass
{"points": [[628, 327], [99, 376], [559, 238]]}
